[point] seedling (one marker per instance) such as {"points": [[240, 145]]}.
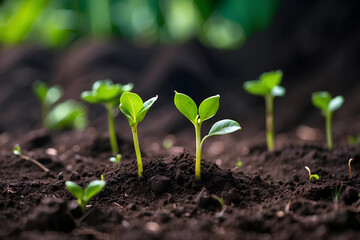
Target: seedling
{"points": [[239, 164], [17, 151], [350, 160], [327, 106], [47, 97], [134, 109], [116, 159], [84, 195], [268, 87], [336, 193], [311, 176], [106, 93], [197, 116]]}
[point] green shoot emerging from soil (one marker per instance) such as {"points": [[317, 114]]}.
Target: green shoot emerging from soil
{"points": [[197, 116], [116, 159], [17, 151], [134, 109], [268, 87], [311, 176], [106, 93], [336, 193], [327, 106], [84, 195], [47, 97]]}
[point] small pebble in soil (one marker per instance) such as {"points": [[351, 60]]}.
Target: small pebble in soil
{"points": [[74, 176], [152, 227], [204, 200], [159, 184]]}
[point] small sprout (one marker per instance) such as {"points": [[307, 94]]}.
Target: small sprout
{"points": [[197, 116], [134, 109], [311, 176], [17, 151], [327, 106], [116, 159], [106, 93], [167, 143], [354, 140], [350, 160], [102, 177], [336, 193], [268, 87], [84, 195], [239, 164], [221, 201]]}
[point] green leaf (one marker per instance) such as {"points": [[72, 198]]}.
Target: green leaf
{"points": [[256, 88], [314, 176], [271, 79], [93, 188], [74, 189], [186, 106], [40, 90], [131, 103], [321, 100], [89, 97], [278, 91], [53, 94], [209, 107], [224, 127], [127, 115], [335, 103], [146, 106], [17, 149]]}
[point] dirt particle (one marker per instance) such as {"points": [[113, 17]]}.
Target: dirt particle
{"points": [[160, 184]]}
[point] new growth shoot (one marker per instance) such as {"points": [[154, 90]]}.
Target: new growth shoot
{"points": [[106, 93], [197, 116], [311, 176], [116, 159], [17, 151], [327, 106], [134, 109], [268, 87], [350, 160], [84, 195], [336, 193]]}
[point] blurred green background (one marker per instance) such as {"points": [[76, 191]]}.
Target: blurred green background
{"points": [[223, 24]]}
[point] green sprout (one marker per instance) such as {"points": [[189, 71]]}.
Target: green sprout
{"points": [[354, 140], [337, 192], [84, 195], [47, 97], [116, 159], [268, 87], [134, 109], [197, 116], [327, 106], [311, 176], [17, 151], [239, 164], [106, 93]]}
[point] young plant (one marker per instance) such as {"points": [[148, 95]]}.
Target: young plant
{"points": [[116, 159], [84, 195], [268, 87], [327, 106], [17, 151], [349, 164], [311, 176], [197, 116], [47, 97], [106, 93], [134, 109], [336, 193]]}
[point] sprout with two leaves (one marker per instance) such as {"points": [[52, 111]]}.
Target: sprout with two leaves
{"points": [[106, 93], [268, 87], [327, 106], [197, 116], [134, 109]]}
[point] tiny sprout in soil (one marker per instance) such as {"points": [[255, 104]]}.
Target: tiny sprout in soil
{"points": [[106, 93], [327, 106], [268, 87], [350, 160], [239, 164], [84, 195], [336, 193], [134, 109], [311, 176], [116, 159], [206, 110], [354, 140], [17, 151]]}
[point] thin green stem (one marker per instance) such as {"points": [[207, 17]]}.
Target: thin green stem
{"points": [[83, 206], [137, 149], [269, 109], [198, 151], [328, 118], [112, 134]]}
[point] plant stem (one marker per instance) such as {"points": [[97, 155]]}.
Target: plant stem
{"points": [[137, 149], [35, 162], [269, 109], [113, 141], [198, 151], [328, 118], [83, 206]]}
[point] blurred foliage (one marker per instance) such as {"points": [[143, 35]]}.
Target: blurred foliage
{"points": [[51, 23]]}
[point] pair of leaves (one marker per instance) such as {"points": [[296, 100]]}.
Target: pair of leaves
{"points": [[47, 95], [133, 107], [326, 103], [104, 91], [207, 109], [84, 195], [268, 84]]}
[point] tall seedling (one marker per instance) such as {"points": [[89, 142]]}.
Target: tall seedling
{"points": [[134, 109], [268, 87], [197, 116]]}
